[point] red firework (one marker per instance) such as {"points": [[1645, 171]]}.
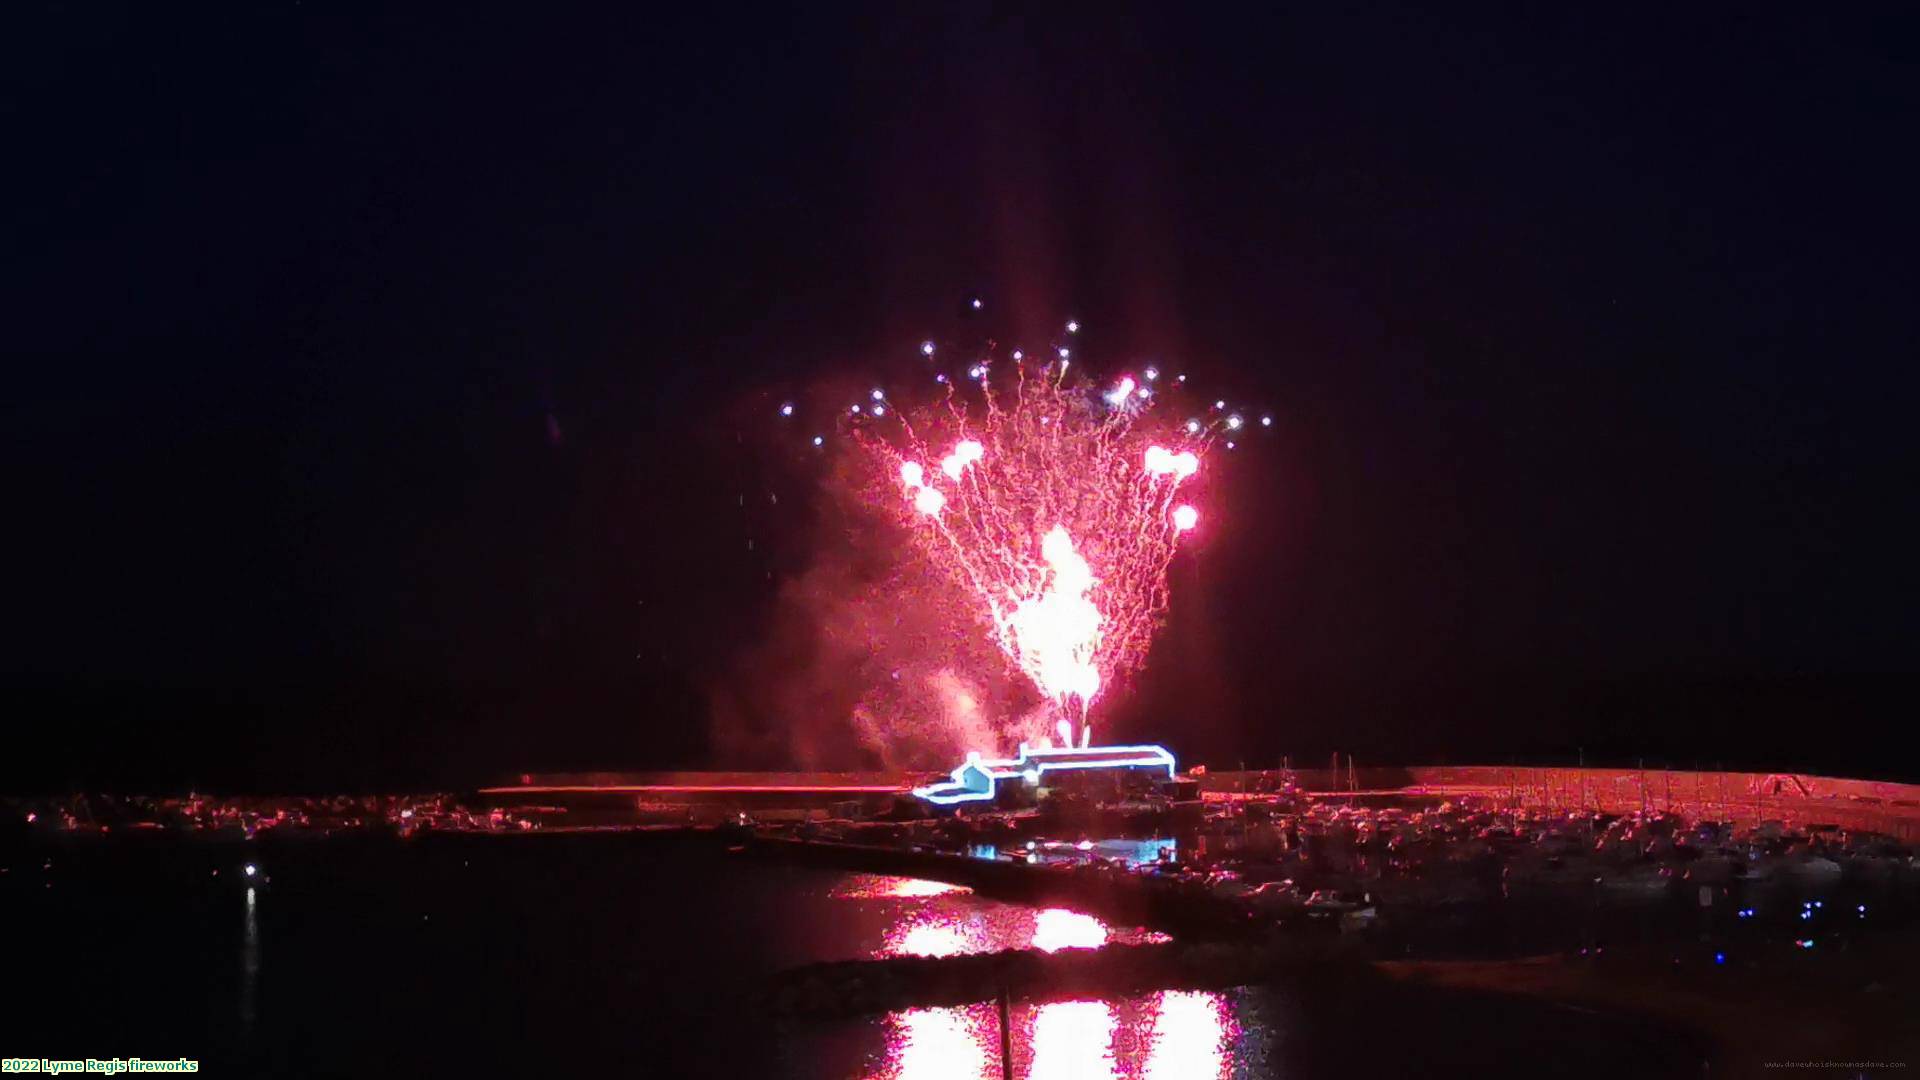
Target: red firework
{"points": [[1056, 506]]}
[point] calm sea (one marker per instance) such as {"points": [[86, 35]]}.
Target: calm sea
{"points": [[635, 957]]}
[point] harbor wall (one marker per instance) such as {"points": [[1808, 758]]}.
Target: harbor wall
{"points": [[1796, 799]]}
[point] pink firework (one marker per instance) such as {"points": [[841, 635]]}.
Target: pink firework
{"points": [[1056, 507]]}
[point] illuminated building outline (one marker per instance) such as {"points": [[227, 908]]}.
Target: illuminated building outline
{"points": [[1031, 764]]}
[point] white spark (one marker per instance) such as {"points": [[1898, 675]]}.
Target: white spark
{"points": [[1161, 461], [965, 453]]}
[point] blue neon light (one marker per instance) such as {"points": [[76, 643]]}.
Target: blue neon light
{"points": [[976, 780]]}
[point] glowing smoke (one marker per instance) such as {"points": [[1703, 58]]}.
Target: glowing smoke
{"points": [[985, 564]]}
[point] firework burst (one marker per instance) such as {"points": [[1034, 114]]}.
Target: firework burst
{"points": [[1056, 505]]}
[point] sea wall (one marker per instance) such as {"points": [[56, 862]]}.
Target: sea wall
{"points": [[1794, 798]]}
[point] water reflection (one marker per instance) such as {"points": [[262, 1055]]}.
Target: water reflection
{"points": [[249, 959], [942, 1044], [912, 887], [924, 918], [1169, 1035], [1172, 1035], [1057, 928], [885, 887], [1192, 1034], [1072, 1040], [930, 935]]}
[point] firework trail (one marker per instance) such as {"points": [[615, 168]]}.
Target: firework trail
{"points": [[1055, 504]]}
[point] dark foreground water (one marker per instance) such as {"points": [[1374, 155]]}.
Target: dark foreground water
{"points": [[632, 956]]}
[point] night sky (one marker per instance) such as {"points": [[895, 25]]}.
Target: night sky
{"points": [[384, 384]]}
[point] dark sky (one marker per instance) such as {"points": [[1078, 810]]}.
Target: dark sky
{"points": [[374, 387]]}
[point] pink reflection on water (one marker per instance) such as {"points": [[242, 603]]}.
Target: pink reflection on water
{"points": [[939, 1044], [883, 887], [930, 934], [1191, 1033], [1157, 1036], [934, 930], [1057, 928], [1170, 1035], [921, 887], [1072, 1040]]}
